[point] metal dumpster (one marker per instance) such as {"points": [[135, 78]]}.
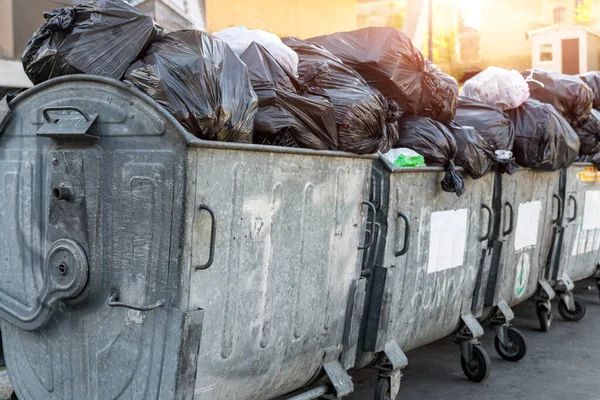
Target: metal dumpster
{"points": [[140, 262], [528, 209], [577, 254], [425, 270]]}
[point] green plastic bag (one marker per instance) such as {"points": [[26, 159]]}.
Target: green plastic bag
{"points": [[404, 157]]}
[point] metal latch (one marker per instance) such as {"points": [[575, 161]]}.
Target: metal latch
{"points": [[67, 126]]}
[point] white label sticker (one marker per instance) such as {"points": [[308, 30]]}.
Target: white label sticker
{"points": [[447, 240], [586, 242], [528, 221], [591, 210]]}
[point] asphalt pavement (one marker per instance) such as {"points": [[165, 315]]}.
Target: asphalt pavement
{"points": [[560, 364]]}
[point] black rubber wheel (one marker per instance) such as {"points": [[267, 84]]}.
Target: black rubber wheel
{"points": [[517, 348], [575, 315], [13, 396], [478, 369], [382, 389], [545, 317]]}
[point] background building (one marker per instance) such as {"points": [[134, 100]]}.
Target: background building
{"points": [[299, 18]]}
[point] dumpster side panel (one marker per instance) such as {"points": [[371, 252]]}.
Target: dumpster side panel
{"points": [[124, 211], [524, 250], [427, 290], [580, 254], [286, 254]]}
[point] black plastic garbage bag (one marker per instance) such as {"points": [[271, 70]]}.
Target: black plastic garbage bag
{"points": [[389, 61], [201, 81], [435, 143], [103, 38], [493, 126], [361, 113], [569, 95], [543, 138], [284, 116], [591, 158], [474, 154], [589, 134], [592, 79]]}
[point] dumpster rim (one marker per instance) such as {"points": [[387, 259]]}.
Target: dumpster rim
{"points": [[190, 139], [393, 169]]}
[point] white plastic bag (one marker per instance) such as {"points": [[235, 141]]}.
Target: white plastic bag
{"points": [[497, 87], [239, 39]]}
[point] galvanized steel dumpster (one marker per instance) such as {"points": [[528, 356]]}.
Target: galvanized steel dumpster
{"points": [[577, 254], [140, 262], [425, 270], [528, 209]]}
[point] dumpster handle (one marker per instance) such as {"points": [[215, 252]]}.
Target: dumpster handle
{"points": [[213, 237], [488, 235], [560, 208], [512, 218], [406, 234], [113, 301], [66, 108], [371, 230], [571, 197]]}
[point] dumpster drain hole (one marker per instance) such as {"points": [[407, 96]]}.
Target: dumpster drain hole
{"points": [[63, 269], [56, 193]]}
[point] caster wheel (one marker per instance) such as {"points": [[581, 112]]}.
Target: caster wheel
{"points": [[575, 315], [478, 369], [382, 389], [516, 349], [13, 396], [545, 317]]}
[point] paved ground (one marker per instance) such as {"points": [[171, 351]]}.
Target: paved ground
{"points": [[560, 364]]}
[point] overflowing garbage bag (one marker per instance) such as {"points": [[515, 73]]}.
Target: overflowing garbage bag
{"points": [[591, 158], [389, 61], [592, 79], [239, 38], [493, 126], [366, 121], [473, 153], [589, 134], [103, 38], [543, 138], [404, 157], [435, 143], [285, 117], [497, 87], [569, 95], [201, 81]]}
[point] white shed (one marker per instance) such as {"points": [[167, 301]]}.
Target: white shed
{"points": [[565, 49]]}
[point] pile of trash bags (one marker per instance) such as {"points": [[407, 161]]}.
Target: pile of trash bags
{"points": [[544, 140], [288, 115], [201, 81], [569, 94], [103, 39], [434, 141], [365, 119], [365, 91], [389, 62], [493, 127]]}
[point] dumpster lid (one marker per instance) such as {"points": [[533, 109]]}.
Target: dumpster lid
{"points": [[191, 140]]}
